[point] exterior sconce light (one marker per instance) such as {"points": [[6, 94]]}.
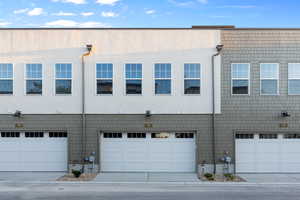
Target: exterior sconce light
{"points": [[285, 114], [17, 114], [148, 114], [89, 47]]}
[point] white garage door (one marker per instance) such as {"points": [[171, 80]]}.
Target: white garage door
{"points": [[33, 151], [268, 153], [153, 152]]}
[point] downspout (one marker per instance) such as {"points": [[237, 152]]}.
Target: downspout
{"points": [[219, 49], [83, 116]]}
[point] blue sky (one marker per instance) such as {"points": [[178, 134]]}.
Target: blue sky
{"points": [[149, 13]]}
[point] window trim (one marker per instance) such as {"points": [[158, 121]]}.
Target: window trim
{"points": [[171, 79], [260, 80], [72, 82], [249, 79], [112, 79], [125, 79], [29, 79], [288, 79], [192, 79], [12, 79]]}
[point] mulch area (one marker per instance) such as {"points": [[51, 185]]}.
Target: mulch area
{"points": [[221, 178], [83, 177]]}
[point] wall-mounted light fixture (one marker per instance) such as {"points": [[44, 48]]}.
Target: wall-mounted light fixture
{"points": [[89, 47], [285, 114], [18, 114], [148, 114]]}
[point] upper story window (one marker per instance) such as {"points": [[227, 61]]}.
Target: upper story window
{"points": [[192, 77], [294, 78], [104, 76], [133, 73], [34, 83], [240, 75], [63, 75], [6, 79], [163, 79], [269, 75]]}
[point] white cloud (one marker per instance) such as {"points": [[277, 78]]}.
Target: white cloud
{"points": [[150, 12], [35, 12], [109, 14], [2, 23], [71, 1], [61, 13], [20, 11], [86, 14], [203, 1], [184, 3], [238, 6], [71, 23], [107, 2]]}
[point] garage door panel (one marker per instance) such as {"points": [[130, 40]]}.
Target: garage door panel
{"points": [[268, 155]]}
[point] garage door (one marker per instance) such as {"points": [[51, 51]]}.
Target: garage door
{"points": [[153, 152], [268, 153], [33, 151]]}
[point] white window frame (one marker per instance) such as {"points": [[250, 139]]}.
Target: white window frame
{"points": [[154, 79], [200, 79], [112, 79], [292, 79], [249, 79], [33, 79], [12, 79], [72, 75], [125, 80], [261, 79]]}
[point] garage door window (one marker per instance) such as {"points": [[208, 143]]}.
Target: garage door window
{"points": [[184, 135], [244, 136], [291, 136], [160, 135], [34, 134], [112, 135], [10, 134], [136, 135], [268, 136], [58, 134]]}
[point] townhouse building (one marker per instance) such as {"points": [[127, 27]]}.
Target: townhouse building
{"points": [[154, 100]]}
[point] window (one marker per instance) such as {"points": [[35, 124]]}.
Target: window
{"points": [[184, 135], [244, 136], [10, 134], [240, 74], [104, 75], [192, 78], [136, 135], [292, 136], [160, 135], [34, 134], [34, 82], [162, 78], [6, 79], [58, 134], [268, 136], [63, 74], [294, 78], [133, 73], [269, 79], [112, 135]]}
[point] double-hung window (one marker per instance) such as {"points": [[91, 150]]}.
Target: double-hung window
{"points": [[192, 76], [240, 75], [133, 74], [163, 78], [6, 79], [104, 76], [269, 74], [63, 75], [294, 79], [34, 83]]}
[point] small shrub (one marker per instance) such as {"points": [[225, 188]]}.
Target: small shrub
{"points": [[209, 176], [76, 173], [229, 177]]}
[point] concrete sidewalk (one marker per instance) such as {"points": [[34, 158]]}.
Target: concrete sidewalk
{"points": [[147, 177], [271, 178], [30, 176]]}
